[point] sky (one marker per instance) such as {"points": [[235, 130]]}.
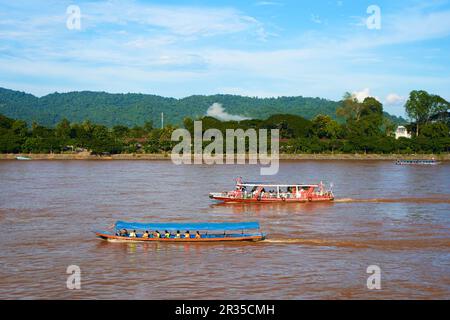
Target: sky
{"points": [[269, 48]]}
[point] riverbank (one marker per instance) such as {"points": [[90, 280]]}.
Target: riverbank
{"points": [[166, 156]]}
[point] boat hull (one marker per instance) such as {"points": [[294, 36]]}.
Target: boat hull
{"points": [[108, 236]]}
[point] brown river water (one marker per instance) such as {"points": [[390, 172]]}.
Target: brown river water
{"points": [[395, 217]]}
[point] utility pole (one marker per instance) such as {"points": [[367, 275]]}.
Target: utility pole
{"points": [[162, 120]]}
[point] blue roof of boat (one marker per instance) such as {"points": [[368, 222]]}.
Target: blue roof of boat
{"points": [[194, 226]]}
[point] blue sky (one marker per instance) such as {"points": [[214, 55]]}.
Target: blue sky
{"points": [[255, 48]]}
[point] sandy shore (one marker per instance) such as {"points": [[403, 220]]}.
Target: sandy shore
{"points": [[160, 156]]}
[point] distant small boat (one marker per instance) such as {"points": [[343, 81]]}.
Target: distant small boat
{"points": [[208, 232], [417, 162], [23, 158]]}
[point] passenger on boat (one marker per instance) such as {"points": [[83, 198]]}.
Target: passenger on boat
{"points": [[123, 233], [166, 234], [187, 234], [156, 234], [145, 235], [133, 234], [289, 192], [197, 235], [178, 235], [261, 194]]}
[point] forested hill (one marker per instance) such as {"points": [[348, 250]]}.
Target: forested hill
{"points": [[134, 109]]}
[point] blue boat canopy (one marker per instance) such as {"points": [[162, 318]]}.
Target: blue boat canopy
{"points": [[194, 226]]}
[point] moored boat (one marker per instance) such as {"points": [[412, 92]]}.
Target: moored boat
{"points": [[417, 162], [272, 193], [22, 158], [197, 232]]}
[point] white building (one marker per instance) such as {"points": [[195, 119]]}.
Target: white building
{"points": [[402, 132]]}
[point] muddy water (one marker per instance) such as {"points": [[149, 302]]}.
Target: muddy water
{"points": [[396, 217]]}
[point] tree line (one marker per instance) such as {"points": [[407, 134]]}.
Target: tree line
{"points": [[366, 129], [132, 109]]}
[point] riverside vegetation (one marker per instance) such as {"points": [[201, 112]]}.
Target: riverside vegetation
{"points": [[357, 127]]}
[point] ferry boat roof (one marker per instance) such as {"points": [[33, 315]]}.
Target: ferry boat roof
{"points": [[254, 184], [197, 226]]}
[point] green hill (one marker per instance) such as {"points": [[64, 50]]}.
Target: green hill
{"points": [[134, 109]]}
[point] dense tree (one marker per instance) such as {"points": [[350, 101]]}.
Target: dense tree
{"points": [[350, 108], [421, 106], [363, 119], [366, 129], [120, 131], [137, 109], [325, 127], [435, 130]]}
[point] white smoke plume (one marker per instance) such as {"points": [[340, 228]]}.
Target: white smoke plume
{"points": [[361, 95], [217, 111]]}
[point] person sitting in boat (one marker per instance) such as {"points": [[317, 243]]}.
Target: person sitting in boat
{"points": [[289, 192], [187, 234], [123, 233], [197, 235], [166, 234], [145, 235], [178, 234], [156, 234], [132, 234]]}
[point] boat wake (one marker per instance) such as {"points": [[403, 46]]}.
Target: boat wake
{"points": [[316, 242], [400, 244], [395, 200]]}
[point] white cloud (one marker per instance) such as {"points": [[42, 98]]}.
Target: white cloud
{"points": [[182, 21], [217, 111], [361, 95], [407, 26], [394, 99], [268, 3], [190, 21], [364, 93]]}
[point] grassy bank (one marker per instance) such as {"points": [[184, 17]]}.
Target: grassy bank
{"points": [[162, 156]]}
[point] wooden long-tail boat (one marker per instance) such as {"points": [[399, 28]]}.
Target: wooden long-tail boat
{"points": [[273, 193], [417, 162], [183, 232]]}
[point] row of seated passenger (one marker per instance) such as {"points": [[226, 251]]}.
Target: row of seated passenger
{"points": [[157, 234]]}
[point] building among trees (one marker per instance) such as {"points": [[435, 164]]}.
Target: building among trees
{"points": [[402, 132]]}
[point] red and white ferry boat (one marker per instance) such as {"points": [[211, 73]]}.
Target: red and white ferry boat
{"points": [[272, 193]]}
